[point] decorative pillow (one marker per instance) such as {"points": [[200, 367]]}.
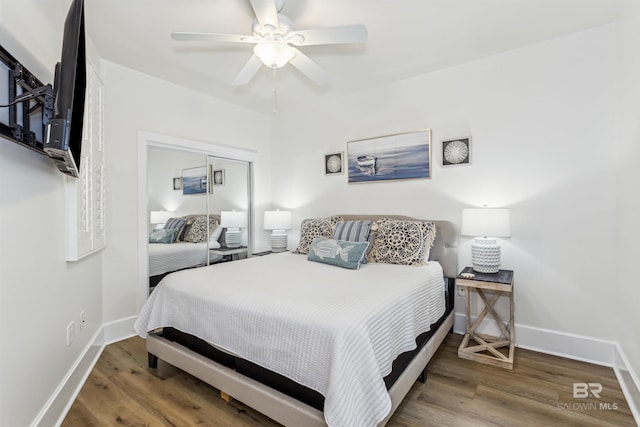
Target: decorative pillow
{"points": [[354, 231], [340, 253], [177, 224], [163, 235], [402, 242], [216, 234], [312, 228], [198, 231], [185, 229]]}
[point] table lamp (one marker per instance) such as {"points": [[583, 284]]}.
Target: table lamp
{"points": [[278, 222], [233, 221], [159, 218], [485, 224]]}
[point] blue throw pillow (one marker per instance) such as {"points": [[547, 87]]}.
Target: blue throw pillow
{"points": [[341, 253], [163, 235]]}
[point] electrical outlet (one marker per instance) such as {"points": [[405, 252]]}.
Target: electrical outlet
{"points": [[70, 333], [461, 291], [82, 320]]}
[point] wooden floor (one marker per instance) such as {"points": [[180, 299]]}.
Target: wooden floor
{"points": [[122, 391]]}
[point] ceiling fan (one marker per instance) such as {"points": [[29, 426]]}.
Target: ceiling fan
{"points": [[276, 42]]}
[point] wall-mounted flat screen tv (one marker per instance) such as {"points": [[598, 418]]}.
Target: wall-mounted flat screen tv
{"points": [[63, 135]]}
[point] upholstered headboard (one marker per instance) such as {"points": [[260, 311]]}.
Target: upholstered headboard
{"points": [[445, 247]]}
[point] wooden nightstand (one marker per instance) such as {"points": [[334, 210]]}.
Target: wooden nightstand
{"points": [[230, 254], [487, 348]]}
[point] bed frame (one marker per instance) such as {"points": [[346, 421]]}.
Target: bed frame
{"points": [[286, 409]]}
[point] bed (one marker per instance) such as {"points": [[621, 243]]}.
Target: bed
{"points": [[317, 344]]}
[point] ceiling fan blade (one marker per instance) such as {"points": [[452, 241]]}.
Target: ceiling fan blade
{"points": [[309, 68], [248, 71], [213, 37], [266, 12], [329, 35]]}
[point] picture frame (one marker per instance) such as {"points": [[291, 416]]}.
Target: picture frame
{"points": [[218, 177], [333, 163], [456, 152], [390, 157], [196, 181], [177, 183]]}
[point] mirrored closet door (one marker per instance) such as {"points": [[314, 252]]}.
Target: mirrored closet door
{"points": [[229, 204], [189, 195]]}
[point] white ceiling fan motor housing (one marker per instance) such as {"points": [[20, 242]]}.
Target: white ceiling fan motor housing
{"points": [[267, 32]]}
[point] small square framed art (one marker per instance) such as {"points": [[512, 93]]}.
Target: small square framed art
{"points": [[456, 152], [333, 164]]}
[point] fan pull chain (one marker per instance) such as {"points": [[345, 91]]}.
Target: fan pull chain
{"points": [[275, 91]]}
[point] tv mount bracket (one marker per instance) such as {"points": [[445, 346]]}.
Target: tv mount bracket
{"points": [[30, 105]]}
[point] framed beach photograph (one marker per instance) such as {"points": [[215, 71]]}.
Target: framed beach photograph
{"points": [[333, 164], [195, 180], [218, 177], [456, 151], [390, 157], [177, 183]]}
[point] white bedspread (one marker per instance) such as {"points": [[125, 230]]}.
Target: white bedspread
{"points": [[164, 258], [334, 330]]}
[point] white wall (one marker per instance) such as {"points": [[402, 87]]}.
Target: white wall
{"points": [[542, 122], [136, 102], [40, 293], [628, 197]]}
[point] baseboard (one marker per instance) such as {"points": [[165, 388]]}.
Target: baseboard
{"points": [[629, 382], [54, 411], [571, 346], [63, 397], [119, 330]]}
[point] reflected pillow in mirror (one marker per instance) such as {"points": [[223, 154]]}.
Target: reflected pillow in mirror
{"points": [[214, 240], [163, 235]]}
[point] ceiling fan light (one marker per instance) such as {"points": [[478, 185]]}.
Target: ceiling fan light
{"points": [[274, 54]]}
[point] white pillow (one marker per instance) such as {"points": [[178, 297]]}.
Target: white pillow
{"points": [[213, 239]]}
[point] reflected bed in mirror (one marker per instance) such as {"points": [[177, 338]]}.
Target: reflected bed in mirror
{"points": [[186, 245]]}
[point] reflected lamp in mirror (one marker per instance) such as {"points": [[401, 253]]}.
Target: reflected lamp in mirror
{"points": [[233, 221], [485, 224], [278, 222], [159, 218]]}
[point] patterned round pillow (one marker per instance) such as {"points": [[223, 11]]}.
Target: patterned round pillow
{"points": [[402, 242], [312, 228], [198, 231]]}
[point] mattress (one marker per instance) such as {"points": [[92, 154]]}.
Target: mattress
{"points": [[165, 258], [333, 330]]}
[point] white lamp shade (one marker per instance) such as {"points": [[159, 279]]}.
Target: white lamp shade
{"points": [[277, 220], [159, 217], [486, 222], [233, 219], [274, 54], [485, 251]]}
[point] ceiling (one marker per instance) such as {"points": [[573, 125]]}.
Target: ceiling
{"points": [[406, 38]]}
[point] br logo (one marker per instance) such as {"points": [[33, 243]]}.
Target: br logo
{"points": [[584, 390]]}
